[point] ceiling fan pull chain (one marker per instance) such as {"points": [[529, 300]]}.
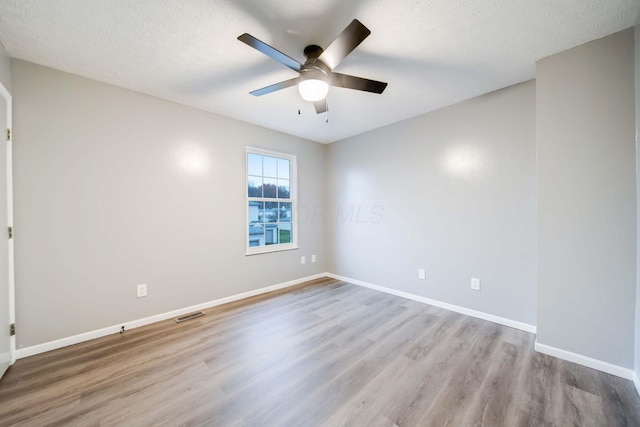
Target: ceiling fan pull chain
{"points": [[326, 117]]}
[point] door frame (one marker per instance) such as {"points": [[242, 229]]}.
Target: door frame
{"points": [[9, 147]]}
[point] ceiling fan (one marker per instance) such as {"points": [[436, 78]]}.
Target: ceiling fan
{"points": [[316, 74]]}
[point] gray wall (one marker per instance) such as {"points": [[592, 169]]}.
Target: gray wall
{"points": [[637, 68], [587, 199], [114, 188], [5, 69], [451, 191]]}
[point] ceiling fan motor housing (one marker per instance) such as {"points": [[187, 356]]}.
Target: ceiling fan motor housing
{"points": [[314, 68]]}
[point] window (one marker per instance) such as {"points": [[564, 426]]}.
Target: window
{"points": [[271, 201]]}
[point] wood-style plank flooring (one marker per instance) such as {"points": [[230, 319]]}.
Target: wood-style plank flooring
{"points": [[325, 353]]}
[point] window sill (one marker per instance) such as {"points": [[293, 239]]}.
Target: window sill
{"points": [[269, 249]]}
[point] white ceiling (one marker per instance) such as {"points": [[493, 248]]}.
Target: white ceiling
{"points": [[432, 53]]}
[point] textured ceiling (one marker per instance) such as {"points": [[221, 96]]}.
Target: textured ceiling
{"points": [[432, 53]]}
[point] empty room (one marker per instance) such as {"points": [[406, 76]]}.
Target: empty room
{"points": [[332, 213]]}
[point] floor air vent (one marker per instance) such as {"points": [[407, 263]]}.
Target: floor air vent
{"points": [[189, 316]]}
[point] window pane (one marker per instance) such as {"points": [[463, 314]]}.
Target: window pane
{"points": [[285, 234], [283, 169], [256, 235], [285, 212], [269, 186], [254, 164], [270, 166], [283, 189], [270, 212], [271, 234], [254, 184], [256, 212]]}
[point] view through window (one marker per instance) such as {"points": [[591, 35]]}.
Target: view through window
{"points": [[270, 201]]}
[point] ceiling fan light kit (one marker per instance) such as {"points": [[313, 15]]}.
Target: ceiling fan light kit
{"points": [[312, 89], [316, 74], [313, 83]]}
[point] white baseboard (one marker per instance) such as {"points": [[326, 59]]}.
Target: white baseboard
{"points": [[589, 362], [451, 307], [636, 381], [86, 336]]}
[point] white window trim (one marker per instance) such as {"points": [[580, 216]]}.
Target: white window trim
{"points": [[293, 192]]}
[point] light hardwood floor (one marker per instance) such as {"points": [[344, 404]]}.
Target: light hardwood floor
{"points": [[324, 353]]}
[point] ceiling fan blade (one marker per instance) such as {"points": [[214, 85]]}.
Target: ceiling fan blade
{"points": [[357, 83], [342, 46], [275, 87], [271, 52], [321, 106]]}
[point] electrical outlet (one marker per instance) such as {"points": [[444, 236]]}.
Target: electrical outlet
{"points": [[141, 290], [303, 259], [475, 284], [422, 274], [313, 258]]}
